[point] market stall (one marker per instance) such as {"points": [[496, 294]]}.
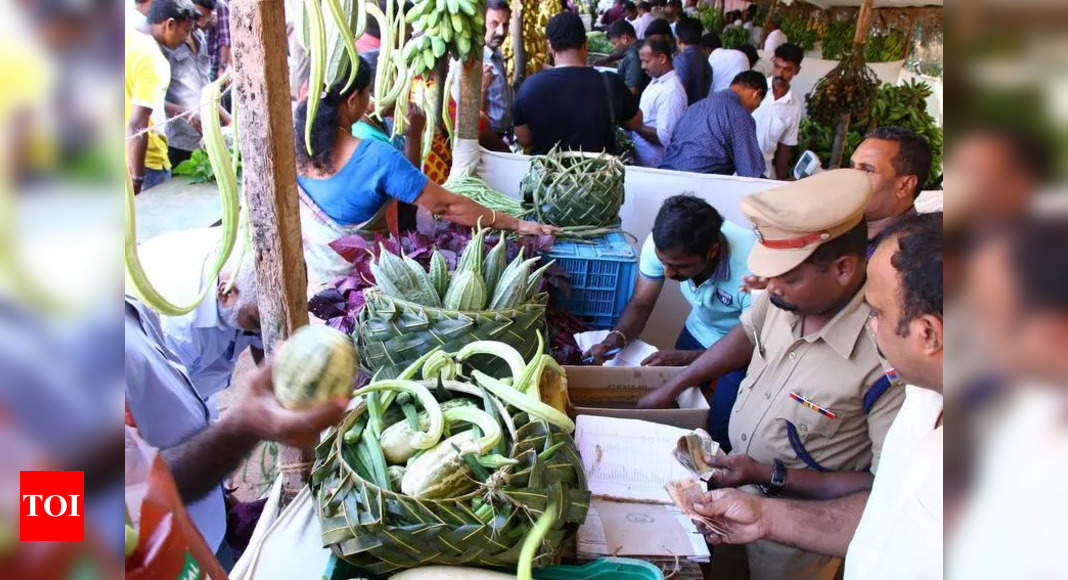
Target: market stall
{"points": [[466, 443]]}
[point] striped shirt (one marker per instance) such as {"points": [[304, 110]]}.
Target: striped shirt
{"points": [[219, 36]]}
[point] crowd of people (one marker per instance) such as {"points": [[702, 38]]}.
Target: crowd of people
{"points": [[688, 104], [805, 328], [173, 49]]}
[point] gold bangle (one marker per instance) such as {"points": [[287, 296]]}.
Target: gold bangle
{"points": [[493, 218], [622, 336]]}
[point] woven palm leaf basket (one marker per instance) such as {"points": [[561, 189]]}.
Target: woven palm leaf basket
{"points": [[379, 530], [392, 333], [573, 189]]}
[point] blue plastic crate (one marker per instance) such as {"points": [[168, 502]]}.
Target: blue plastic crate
{"points": [[601, 275]]}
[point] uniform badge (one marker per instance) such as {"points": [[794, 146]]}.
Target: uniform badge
{"points": [[724, 297]]}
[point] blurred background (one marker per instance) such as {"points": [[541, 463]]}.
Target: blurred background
{"points": [[61, 224]]}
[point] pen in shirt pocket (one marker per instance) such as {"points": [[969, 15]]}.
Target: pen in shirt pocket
{"points": [[817, 408]]}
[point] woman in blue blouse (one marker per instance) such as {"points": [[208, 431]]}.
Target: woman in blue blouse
{"points": [[346, 183]]}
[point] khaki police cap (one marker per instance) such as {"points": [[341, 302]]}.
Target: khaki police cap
{"points": [[791, 221]]}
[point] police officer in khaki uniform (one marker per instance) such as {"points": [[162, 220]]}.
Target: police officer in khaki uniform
{"points": [[812, 412]]}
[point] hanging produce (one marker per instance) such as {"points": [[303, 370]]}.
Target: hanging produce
{"points": [[452, 26], [848, 89], [223, 167], [535, 16], [413, 310], [486, 474], [574, 190]]}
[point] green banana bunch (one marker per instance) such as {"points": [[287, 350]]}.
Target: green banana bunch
{"points": [[452, 27]]}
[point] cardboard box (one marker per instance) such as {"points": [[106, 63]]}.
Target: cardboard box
{"points": [[614, 392]]}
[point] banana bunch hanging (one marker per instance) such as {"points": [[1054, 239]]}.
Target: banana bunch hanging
{"points": [[444, 26], [535, 17], [440, 29]]}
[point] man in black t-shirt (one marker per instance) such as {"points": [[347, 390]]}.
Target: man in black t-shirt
{"points": [[572, 104]]}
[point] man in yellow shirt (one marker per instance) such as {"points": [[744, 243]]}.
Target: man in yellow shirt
{"points": [[148, 74]]}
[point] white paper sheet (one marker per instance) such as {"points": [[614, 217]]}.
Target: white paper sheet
{"points": [[628, 459], [631, 356]]}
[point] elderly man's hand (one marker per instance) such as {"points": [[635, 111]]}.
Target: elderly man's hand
{"points": [[259, 414], [739, 515]]}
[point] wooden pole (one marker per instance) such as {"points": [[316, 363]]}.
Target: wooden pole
{"points": [[261, 92], [465, 153], [860, 36], [519, 53], [863, 24], [470, 105], [908, 37]]}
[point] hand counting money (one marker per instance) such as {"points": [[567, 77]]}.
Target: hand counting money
{"points": [[691, 449], [687, 492]]}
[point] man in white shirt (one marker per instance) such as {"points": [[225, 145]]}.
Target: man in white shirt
{"points": [[726, 64], [894, 531], [778, 119], [208, 340], [645, 16], [663, 103], [776, 37]]}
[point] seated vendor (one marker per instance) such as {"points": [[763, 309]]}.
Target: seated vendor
{"points": [[692, 244], [347, 183]]}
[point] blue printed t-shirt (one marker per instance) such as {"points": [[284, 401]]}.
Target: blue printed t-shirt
{"points": [[375, 173], [718, 303]]}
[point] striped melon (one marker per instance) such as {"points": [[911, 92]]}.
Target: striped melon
{"points": [[316, 364]]}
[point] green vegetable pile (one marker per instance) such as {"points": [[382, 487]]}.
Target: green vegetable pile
{"points": [[711, 18], [800, 32], [837, 38], [885, 47], [446, 464], [598, 42], [198, 167], [735, 37]]}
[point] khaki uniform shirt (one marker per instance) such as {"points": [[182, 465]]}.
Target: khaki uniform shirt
{"points": [[837, 369]]}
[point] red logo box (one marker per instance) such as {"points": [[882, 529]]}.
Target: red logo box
{"points": [[51, 506]]}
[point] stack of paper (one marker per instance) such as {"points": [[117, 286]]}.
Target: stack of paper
{"points": [[628, 462]]}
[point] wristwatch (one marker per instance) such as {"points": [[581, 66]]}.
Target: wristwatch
{"points": [[778, 479]]}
